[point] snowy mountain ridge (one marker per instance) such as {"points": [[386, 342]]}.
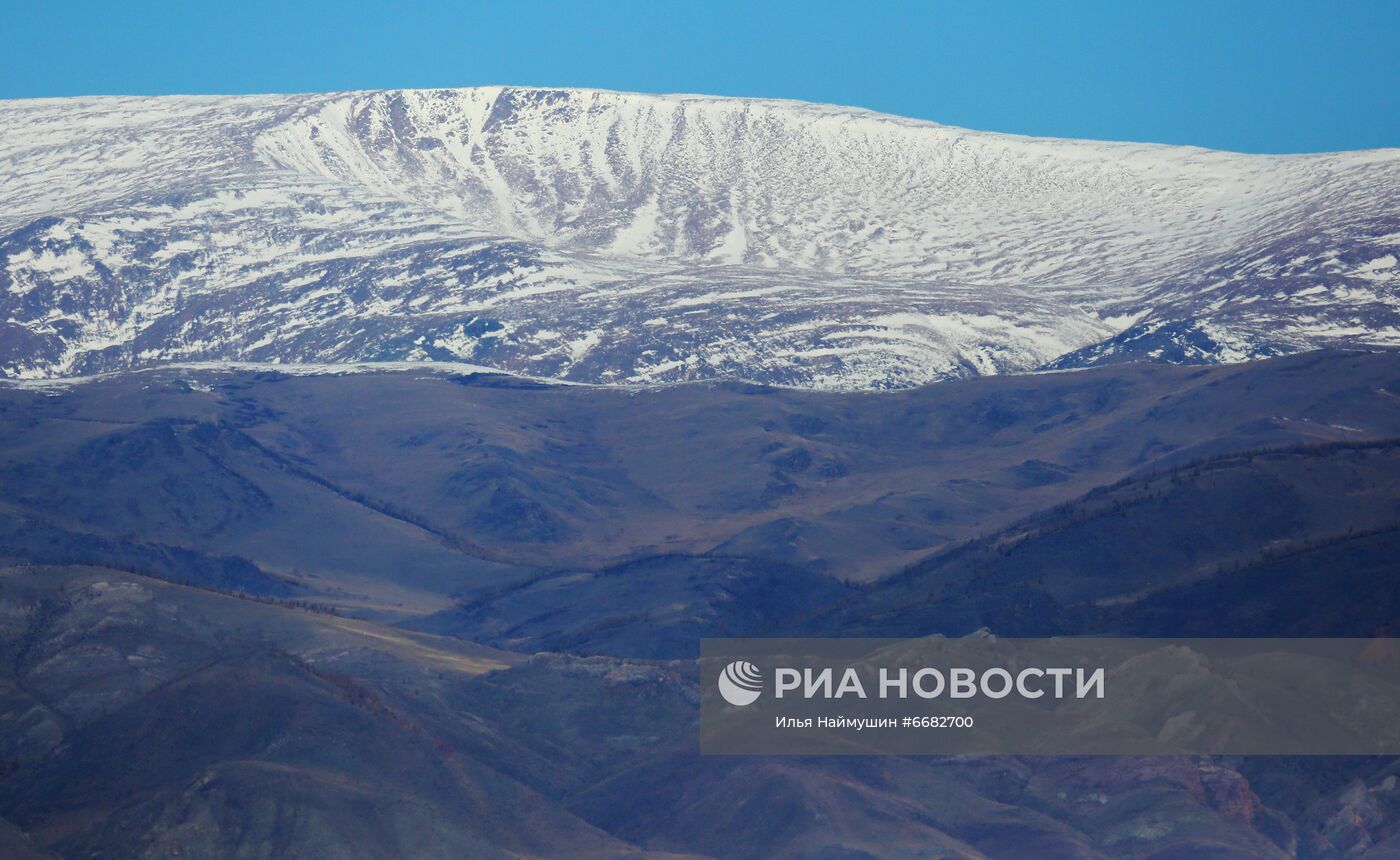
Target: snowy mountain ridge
{"points": [[608, 237]]}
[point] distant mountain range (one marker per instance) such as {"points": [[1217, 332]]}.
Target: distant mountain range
{"points": [[605, 237]]}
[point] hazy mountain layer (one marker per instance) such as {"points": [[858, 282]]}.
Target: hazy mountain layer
{"points": [[223, 594], [404, 492]]}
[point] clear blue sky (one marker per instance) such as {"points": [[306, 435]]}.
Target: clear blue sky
{"points": [[1255, 76]]}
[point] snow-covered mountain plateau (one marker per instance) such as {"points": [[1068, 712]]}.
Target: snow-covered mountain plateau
{"points": [[606, 237]]}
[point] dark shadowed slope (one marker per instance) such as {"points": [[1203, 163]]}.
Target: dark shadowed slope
{"points": [[655, 607], [156, 720], [1293, 540]]}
